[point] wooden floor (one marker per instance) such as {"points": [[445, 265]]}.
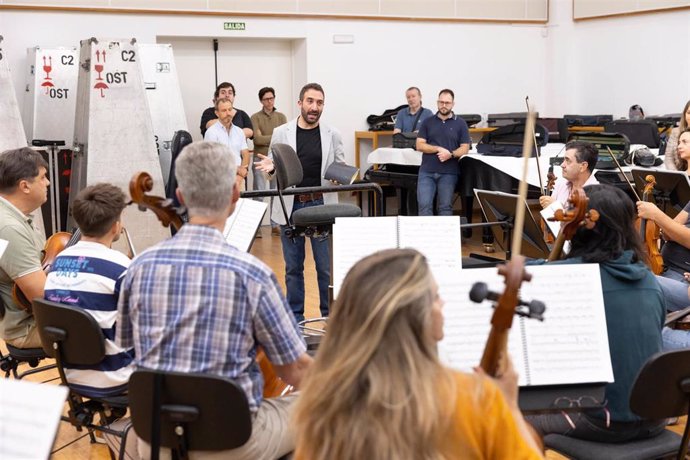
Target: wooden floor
{"points": [[267, 249]]}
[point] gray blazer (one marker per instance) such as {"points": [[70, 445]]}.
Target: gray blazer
{"points": [[332, 150]]}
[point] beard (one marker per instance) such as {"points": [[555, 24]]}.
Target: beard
{"points": [[311, 116]]}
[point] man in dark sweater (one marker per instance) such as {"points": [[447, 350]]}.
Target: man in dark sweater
{"points": [[240, 118]]}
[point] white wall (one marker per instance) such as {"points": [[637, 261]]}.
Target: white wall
{"points": [[586, 67]]}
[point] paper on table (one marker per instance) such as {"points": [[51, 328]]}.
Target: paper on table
{"points": [[357, 237], [437, 237], [30, 414], [241, 226]]}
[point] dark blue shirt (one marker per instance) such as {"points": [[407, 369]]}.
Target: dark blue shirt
{"points": [[450, 134]]}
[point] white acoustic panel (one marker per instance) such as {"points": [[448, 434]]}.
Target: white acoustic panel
{"points": [[113, 131]]}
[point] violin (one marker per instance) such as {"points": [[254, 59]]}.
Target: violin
{"points": [[139, 187], [550, 182], [650, 231], [54, 246], [575, 216]]}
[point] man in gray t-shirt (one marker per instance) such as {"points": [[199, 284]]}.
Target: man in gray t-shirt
{"points": [[410, 119], [23, 189]]}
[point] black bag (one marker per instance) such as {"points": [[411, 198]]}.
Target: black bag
{"points": [[617, 142], [405, 140], [506, 141], [384, 122], [587, 120]]}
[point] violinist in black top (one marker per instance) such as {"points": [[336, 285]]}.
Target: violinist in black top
{"points": [[634, 308]]}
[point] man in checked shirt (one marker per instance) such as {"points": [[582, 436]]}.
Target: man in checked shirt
{"points": [[194, 303]]}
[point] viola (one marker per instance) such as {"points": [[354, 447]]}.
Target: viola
{"points": [[54, 246], [576, 215], [139, 187], [650, 231]]}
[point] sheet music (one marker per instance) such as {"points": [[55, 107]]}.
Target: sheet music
{"points": [[3, 246], [550, 211], [571, 345], [467, 324], [241, 226], [357, 237], [437, 237], [30, 414]]}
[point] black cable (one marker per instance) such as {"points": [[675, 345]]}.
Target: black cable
{"points": [[215, 58]]}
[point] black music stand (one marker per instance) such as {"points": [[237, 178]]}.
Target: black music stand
{"points": [[500, 207], [672, 188]]}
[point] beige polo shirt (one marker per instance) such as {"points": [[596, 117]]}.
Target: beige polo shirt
{"points": [[22, 256]]}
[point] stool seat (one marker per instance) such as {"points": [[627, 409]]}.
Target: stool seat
{"points": [[324, 214], [667, 443]]}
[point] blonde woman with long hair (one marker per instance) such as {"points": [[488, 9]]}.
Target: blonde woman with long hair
{"points": [[377, 389]]}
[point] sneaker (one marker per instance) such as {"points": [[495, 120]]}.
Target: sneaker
{"points": [[275, 231]]}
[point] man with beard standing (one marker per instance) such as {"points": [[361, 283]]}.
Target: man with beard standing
{"points": [[317, 146], [443, 139]]}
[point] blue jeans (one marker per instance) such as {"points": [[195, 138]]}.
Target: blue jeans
{"points": [[675, 290], [293, 253], [431, 184]]}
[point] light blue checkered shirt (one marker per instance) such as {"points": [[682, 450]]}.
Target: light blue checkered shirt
{"points": [[194, 303]]}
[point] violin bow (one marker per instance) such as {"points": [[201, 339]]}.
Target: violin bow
{"points": [[623, 174], [535, 146], [516, 245]]}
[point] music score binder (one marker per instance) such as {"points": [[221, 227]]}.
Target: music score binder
{"points": [[241, 226], [437, 237], [341, 173]]}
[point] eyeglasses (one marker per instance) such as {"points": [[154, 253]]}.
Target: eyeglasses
{"points": [[564, 402], [444, 102], [266, 99]]}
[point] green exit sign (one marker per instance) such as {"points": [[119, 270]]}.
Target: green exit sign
{"points": [[234, 26]]}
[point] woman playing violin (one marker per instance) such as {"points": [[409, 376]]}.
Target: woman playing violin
{"points": [[634, 308], [23, 189], [378, 390], [672, 158]]}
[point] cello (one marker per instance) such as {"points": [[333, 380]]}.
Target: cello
{"points": [[139, 187]]}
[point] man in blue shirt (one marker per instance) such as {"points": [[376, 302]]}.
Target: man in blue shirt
{"points": [[443, 139], [410, 119]]}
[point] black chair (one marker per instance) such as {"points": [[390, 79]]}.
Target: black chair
{"points": [[72, 336], [312, 220], [639, 132], [661, 390], [15, 357], [188, 412]]}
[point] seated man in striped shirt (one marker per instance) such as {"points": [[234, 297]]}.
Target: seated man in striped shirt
{"points": [[88, 275]]}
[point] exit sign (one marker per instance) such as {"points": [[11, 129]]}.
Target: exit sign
{"points": [[234, 26]]}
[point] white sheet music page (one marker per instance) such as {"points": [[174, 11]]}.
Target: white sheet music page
{"points": [[358, 237], [548, 212], [467, 324], [571, 345], [3, 246], [241, 226], [437, 237], [30, 414]]}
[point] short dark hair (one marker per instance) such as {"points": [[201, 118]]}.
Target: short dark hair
{"points": [[584, 151], [414, 88], [97, 207], [17, 165], [225, 84], [613, 233], [447, 91], [307, 87], [221, 100], [264, 90]]}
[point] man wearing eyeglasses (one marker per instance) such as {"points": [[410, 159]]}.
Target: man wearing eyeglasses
{"points": [[240, 118], [443, 139], [264, 122]]}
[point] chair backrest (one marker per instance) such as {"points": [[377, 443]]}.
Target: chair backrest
{"points": [[180, 140], [666, 374], [79, 336], [639, 132], [288, 169], [212, 412]]}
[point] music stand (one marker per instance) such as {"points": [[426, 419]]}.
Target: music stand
{"points": [[500, 207], [672, 187]]}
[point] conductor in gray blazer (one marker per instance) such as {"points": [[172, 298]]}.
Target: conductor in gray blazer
{"points": [[317, 146]]}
